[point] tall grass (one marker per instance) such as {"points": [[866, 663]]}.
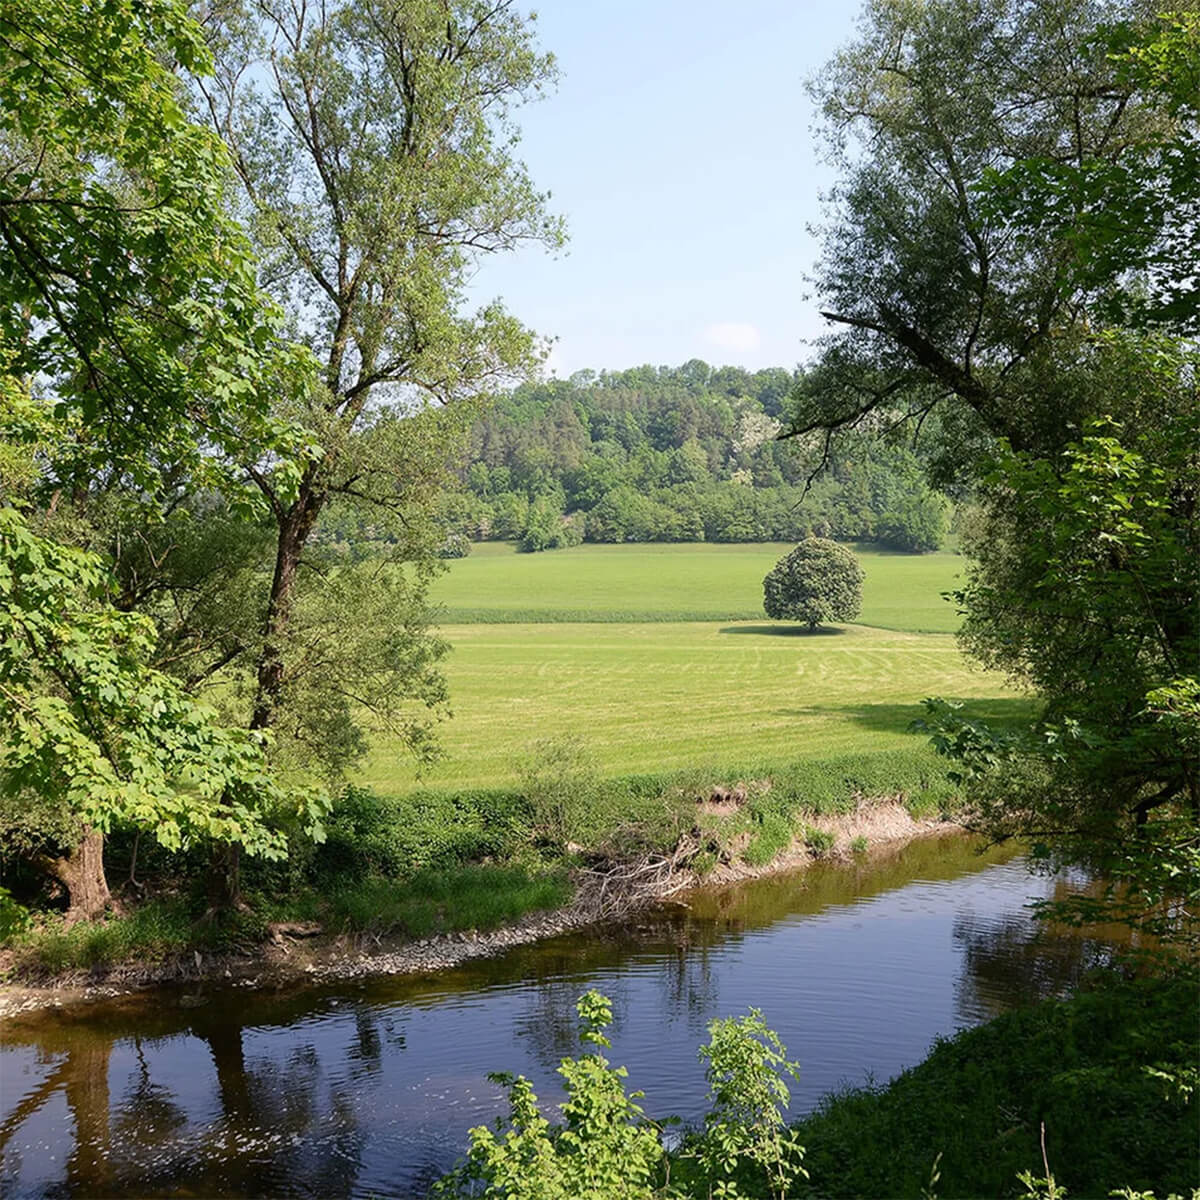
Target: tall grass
{"points": [[152, 932], [445, 900]]}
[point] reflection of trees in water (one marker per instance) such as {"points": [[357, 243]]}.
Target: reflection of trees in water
{"points": [[278, 1123], [81, 1075], [887, 867], [549, 1026], [366, 1053], [147, 1112], [689, 982], [675, 980], [1012, 961], [280, 1120], [288, 1104]]}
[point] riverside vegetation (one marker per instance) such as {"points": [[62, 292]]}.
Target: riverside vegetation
{"points": [[1101, 1085], [484, 837]]}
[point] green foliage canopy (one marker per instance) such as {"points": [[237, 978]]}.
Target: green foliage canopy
{"points": [[818, 581], [91, 728], [947, 306], [1013, 265], [126, 286], [682, 454], [138, 358]]}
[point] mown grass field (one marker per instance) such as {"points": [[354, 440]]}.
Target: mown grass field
{"points": [[690, 582], [645, 690]]}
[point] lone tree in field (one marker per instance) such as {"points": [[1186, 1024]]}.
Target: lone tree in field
{"points": [[818, 581]]}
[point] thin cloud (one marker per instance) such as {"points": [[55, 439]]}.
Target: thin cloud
{"points": [[733, 335]]}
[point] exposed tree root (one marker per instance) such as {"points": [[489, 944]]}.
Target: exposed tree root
{"points": [[616, 887]]}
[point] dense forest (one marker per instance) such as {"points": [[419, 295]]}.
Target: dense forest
{"points": [[685, 454]]}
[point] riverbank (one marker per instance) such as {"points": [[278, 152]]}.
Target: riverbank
{"points": [[1097, 1089], [299, 953]]}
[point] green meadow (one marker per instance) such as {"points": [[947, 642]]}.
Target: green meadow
{"points": [[658, 658], [677, 582]]}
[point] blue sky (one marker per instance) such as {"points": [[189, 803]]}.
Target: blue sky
{"points": [[679, 148]]}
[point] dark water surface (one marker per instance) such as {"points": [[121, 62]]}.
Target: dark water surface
{"points": [[369, 1088]]}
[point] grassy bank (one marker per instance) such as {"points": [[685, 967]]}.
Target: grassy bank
{"points": [[439, 860], [1096, 1070], [564, 800], [169, 927], [591, 740]]}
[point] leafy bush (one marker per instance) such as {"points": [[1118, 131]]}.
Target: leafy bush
{"points": [[818, 841], [547, 529], [745, 1066], [395, 836], [771, 833], [817, 581], [14, 917], [607, 1148], [456, 545], [917, 521], [563, 789]]}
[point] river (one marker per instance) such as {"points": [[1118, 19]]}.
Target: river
{"points": [[369, 1088]]}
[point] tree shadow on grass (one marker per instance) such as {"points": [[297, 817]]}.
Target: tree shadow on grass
{"points": [[785, 629], [999, 712]]}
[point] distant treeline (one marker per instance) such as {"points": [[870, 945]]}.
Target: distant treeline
{"points": [[678, 454], [673, 454]]}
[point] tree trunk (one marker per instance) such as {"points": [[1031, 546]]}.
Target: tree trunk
{"points": [[295, 526], [81, 872], [225, 879]]}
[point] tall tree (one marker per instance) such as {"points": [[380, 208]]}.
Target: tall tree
{"points": [[935, 299], [134, 350], [1026, 174], [373, 143]]}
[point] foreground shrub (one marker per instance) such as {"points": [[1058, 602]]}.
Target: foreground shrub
{"points": [[607, 1148], [1104, 1081]]}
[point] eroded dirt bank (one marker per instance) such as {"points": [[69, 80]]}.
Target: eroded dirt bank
{"points": [[293, 958]]}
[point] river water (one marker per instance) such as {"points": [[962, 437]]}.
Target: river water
{"points": [[369, 1088]]}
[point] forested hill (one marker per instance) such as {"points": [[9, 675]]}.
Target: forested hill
{"points": [[684, 453]]}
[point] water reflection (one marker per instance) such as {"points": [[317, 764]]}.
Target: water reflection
{"points": [[370, 1088]]}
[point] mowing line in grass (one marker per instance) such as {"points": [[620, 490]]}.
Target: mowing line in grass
{"points": [[652, 697]]}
